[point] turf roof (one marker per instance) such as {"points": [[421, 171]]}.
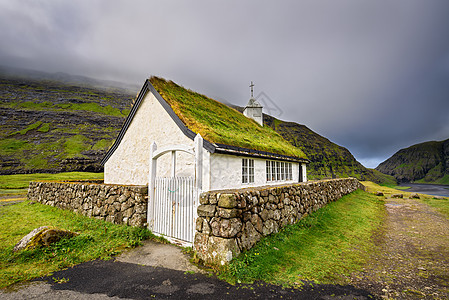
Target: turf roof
{"points": [[219, 123]]}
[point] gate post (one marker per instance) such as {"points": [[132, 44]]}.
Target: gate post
{"points": [[151, 182], [198, 162]]}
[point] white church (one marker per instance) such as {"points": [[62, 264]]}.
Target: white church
{"points": [[181, 143]]}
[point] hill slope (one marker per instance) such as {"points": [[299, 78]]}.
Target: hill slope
{"points": [[49, 126], [52, 126], [426, 163], [327, 159]]}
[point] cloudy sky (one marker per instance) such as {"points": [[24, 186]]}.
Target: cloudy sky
{"points": [[372, 76]]}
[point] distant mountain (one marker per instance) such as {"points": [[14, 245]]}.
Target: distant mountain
{"points": [[425, 163], [327, 159], [58, 122], [16, 73]]}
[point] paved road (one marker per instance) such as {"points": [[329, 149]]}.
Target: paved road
{"points": [[103, 279]]}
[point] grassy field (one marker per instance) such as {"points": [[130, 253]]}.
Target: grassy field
{"points": [[96, 239], [323, 247], [18, 184]]}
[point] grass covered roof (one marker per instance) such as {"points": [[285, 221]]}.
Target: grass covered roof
{"points": [[219, 123]]}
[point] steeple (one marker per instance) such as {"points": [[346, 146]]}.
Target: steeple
{"points": [[253, 109]]}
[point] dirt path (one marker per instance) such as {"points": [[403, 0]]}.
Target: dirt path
{"points": [[412, 261]]}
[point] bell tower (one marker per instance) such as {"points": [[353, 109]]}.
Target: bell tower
{"points": [[253, 109]]}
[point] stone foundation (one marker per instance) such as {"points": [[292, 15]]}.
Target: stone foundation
{"points": [[113, 203], [233, 221]]}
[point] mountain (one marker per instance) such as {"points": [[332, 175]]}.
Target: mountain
{"points": [[327, 159], [52, 126], [82, 81], [424, 163], [48, 125]]}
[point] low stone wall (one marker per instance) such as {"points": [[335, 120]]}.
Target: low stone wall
{"points": [[230, 222], [113, 203]]}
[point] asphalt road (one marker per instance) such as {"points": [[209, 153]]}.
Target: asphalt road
{"points": [[103, 279]]}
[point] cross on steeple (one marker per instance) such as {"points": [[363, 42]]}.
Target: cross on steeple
{"points": [[251, 86]]}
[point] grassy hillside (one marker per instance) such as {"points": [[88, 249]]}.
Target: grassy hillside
{"points": [[424, 163], [48, 126], [327, 159]]}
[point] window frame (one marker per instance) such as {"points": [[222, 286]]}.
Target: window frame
{"points": [[247, 170]]}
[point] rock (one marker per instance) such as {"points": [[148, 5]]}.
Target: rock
{"points": [[249, 237], [230, 227], [378, 193], [414, 196], [228, 213], [206, 210], [227, 201], [397, 196], [42, 236]]}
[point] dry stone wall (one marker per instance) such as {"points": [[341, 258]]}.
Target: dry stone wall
{"points": [[230, 222], [113, 203]]}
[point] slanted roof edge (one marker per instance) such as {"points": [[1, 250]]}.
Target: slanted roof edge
{"points": [[212, 148]]}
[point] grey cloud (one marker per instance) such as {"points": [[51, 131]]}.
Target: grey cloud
{"points": [[371, 76]]}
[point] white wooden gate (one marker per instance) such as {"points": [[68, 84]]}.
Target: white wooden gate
{"points": [[173, 201]]}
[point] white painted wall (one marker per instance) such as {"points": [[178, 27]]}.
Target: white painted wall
{"points": [[254, 113], [304, 172], [129, 164], [227, 172]]}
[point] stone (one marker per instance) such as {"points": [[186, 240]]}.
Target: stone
{"points": [[264, 214], [414, 196], [206, 227], [227, 201], [397, 196], [221, 251], [269, 227], [228, 213], [206, 210], [257, 222], [204, 198], [199, 224], [42, 236], [378, 193], [249, 237], [230, 227]]}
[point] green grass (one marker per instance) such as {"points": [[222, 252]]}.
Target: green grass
{"points": [[74, 145], [96, 239], [44, 128], [443, 180], [11, 146], [102, 144], [219, 123], [322, 247], [21, 181], [441, 204], [29, 128]]}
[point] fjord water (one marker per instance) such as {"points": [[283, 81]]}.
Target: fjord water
{"points": [[429, 189]]}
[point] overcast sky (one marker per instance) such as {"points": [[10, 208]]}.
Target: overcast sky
{"points": [[372, 76]]}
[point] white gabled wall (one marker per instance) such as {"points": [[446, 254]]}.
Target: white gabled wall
{"points": [[129, 164], [226, 172]]}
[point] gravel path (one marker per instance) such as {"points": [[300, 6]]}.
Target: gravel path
{"points": [[412, 261]]}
